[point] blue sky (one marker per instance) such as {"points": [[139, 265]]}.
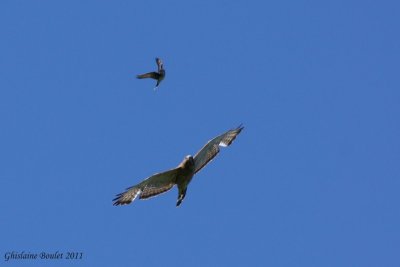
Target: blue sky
{"points": [[313, 180]]}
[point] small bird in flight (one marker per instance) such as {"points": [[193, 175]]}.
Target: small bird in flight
{"points": [[181, 175], [159, 75]]}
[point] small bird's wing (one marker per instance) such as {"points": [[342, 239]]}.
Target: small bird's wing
{"points": [[211, 149], [153, 75], [159, 63], [152, 186]]}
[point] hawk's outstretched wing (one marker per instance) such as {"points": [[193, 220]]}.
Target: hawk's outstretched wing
{"points": [[152, 186], [211, 149]]}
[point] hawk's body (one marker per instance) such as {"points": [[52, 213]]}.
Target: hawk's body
{"points": [[159, 75], [181, 175]]}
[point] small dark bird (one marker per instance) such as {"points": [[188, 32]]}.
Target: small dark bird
{"points": [[179, 176], [159, 75]]}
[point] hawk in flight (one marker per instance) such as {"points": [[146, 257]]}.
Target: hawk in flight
{"points": [[181, 175], [159, 75]]}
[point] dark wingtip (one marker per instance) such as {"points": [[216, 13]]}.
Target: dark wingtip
{"points": [[240, 128], [118, 201]]}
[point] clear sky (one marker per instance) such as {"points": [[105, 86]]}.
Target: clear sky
{"points": [[312, 180]]}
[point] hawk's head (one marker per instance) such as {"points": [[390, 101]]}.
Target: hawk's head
{"points": [[187, 162], [189, 159]]}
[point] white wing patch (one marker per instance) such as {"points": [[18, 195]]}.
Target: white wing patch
{"points": [[136, 195], [223, 144]]}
